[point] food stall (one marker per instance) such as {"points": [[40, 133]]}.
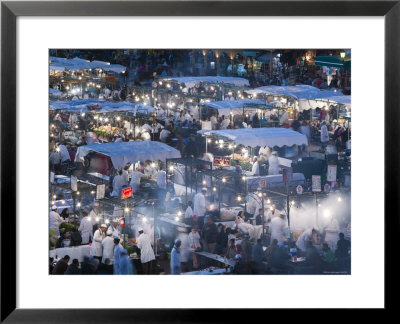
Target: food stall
{"points": [[184, 173], [120, 153], [232, 108]]}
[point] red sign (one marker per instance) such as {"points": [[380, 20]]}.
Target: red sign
{"points": [[126, 192], [221, 161]]}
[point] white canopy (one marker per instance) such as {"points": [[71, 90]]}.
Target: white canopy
{"points": [[123, 152], [76, 64], [298, 91], [261, 136], [104, 106], [235, 106], [191, 82], [308, 96]]}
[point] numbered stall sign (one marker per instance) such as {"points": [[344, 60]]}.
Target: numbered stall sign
{"points": [[299, 190], [100, 191], [74, 183], [331, 173], [316, 183]]}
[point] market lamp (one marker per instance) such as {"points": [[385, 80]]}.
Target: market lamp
{"points": [[239, 198], [144, 219], [339, 199], [126, 209], [342, 55], [214, 189], [179, 213], [107, 221], [223, 180], [171, 168], [244, 178], [204, 182]]}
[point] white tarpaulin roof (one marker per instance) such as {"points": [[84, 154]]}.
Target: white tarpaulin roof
{"points": [[304, 93], [123, 152], [261, 136], [104, 106], [226, 106], [191, 82], [76, 64], [299, 91]]}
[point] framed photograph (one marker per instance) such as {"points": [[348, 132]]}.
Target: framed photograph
{"points": [[141, 138]]}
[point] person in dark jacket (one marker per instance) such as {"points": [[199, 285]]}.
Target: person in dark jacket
{"points": [[313, 259], [61, 266], [73, 268], [222, 240], [209, 235], [60, 241], [257, 256], [279, 258], [342, 253]]}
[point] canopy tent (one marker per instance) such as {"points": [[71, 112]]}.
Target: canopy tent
{"points": [[191, 82], [76, 64], [104, 106], [332, 61], [308, 96], [298, 91], [123, 152], [260, 136], [326, 97], [235, 106]]}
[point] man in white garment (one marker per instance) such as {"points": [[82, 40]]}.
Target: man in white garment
{"points": [[149, 168], [118, 184], [306, 236], [86, 228], [135, 179], [55, 220], [164, 135], [256, 167], [189, 211], [95, 213], [225, 123], [273, 162], [188, 117], [114, 227], [279, 227], [97, 249], [146, 251], [65, 158], [199, 202], [161, 179], [324, 134], [108, 251], [214, 121]]}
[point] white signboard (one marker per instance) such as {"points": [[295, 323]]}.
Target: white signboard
{"points": [[299, 189], [74, 183], [316, 183], [331, 174], [101, 191]]}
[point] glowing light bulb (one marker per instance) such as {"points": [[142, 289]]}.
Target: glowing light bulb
{"points": [[223, 180], [97, 219], [107, 221], [204, 182], [144, 219], [118, 118], [339, 199], [78, 204], [54, 196], [126, 209], [179, 213], [63, 202], [239, 198], [244, 178], [176, 219], [221, 145], [153, 165], [268, 201], [214, 189], [171, 168], [209, 140]]}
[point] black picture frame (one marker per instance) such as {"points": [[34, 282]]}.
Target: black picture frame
{"points": [[10, 10]]}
